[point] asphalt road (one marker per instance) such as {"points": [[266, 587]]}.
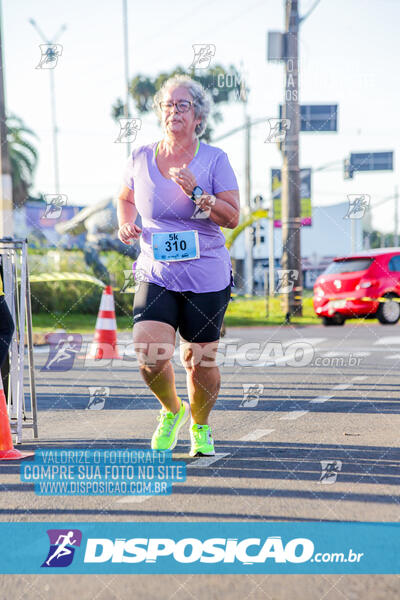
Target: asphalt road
{"points": [[316, 437]]}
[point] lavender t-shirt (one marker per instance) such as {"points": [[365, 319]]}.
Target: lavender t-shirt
{"points": [[164, 207]]}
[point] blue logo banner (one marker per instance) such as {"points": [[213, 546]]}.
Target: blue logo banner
{"points": [[182, 547], [101, 472]]}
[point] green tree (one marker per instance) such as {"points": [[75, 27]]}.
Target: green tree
{"points": [[23, 158]]}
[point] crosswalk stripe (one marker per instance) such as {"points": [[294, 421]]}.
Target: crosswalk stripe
{"points": [[294, 414], [306, 340], [321, 399], [133, 499], [387, 340], [206, 461], [255, 435]]}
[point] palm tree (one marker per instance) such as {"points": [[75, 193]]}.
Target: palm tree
{"points": [[23, 159]]}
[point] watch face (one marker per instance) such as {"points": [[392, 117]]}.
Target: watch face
{"points": [[197, 191]]}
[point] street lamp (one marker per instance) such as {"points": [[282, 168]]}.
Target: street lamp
{"points": [[53, 102]]}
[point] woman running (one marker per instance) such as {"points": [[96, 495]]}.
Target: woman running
{"points": [[184, 191]]}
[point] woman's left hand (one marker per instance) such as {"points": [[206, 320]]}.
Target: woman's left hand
{"points": [[184, 178]]}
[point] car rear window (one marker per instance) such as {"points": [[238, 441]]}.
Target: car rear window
{"points": [[348, 265]]}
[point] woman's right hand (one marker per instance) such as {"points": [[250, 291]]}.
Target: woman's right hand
{"points": [[129, 231]]}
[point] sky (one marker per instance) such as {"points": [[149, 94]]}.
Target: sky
{"points": [[348, 52]]}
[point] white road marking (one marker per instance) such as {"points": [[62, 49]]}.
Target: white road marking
{"points": [[393, 357], [387, 340], [255, 435], [342, 386], [294, 414], [306, 340], [206, 461], [337, 388], [133, 499], [321, 399]]}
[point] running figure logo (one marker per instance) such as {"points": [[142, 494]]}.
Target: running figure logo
{"points": [[358, 203], [62, 547], [203, 213], [128, 130], [133, 279], [54, 205], [286, 280], [329, 471], [98, 397], [278, 129], [49, 55], [203, 53], [251, 394], [63, 349]]}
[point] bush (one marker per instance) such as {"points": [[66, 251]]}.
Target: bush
{"points": [[76, 297]]}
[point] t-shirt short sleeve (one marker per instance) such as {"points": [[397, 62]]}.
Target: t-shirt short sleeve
{"points": [[223, 178], [127, 178]]}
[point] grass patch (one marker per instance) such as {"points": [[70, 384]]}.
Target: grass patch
{"points": [[253, 311], [242, 312], [45, 323]]}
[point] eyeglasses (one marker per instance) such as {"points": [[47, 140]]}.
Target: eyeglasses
{"points": [[182, 106]]}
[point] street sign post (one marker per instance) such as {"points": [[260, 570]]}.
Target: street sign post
{"points": [[368, 161], [317, 118], [305, 196]]}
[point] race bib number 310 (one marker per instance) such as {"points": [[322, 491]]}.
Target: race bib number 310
{"points": [[178, 245]]}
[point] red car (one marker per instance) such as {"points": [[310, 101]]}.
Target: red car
{"points": [[364, 285]]}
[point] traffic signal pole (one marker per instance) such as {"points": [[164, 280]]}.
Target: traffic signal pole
{"points": [[291, 283], [6, 214], [248, 233]]}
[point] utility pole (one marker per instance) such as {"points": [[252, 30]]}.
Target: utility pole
{"points": [[396, 216], [271, 243], [127, 113], [53, 104], [248, 256], [353, 236], [291, 222], [6, 208]]}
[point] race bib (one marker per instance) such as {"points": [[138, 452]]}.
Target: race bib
{"points": [[178, 245]]}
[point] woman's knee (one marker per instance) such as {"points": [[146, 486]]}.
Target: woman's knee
{"points": [[152, 353], [152, 369], [196, 357]]}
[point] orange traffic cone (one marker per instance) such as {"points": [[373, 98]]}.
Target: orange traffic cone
{"points": [[7, 450], [104, 344]]}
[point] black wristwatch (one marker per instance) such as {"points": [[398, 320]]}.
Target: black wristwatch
{"points": [[197, 193]]}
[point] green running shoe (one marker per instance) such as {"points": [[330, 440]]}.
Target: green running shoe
{"points": [[166, 434], [202, 442]]}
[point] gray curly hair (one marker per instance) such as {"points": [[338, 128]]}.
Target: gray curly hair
{"points": [[202, 100]]}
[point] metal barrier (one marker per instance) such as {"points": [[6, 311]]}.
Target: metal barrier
{"points": [[14, 253]]}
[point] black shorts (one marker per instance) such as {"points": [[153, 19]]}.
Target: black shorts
{"points": [[198, 316]]}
